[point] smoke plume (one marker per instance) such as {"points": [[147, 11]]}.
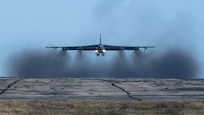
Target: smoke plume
{"points": [[171, 64]]}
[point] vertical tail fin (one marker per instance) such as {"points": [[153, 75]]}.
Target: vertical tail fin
{"points": [[100, 38]]}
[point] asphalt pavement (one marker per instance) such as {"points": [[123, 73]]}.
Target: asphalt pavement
{"points": [[105, 89]]}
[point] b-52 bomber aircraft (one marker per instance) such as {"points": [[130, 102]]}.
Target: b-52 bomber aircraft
{"points": [[100, 49]]}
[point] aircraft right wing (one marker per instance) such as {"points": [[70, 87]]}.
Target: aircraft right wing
{"points": [[64, 48]]}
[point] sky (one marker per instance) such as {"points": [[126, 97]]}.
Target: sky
{"points": [[165, 24]]}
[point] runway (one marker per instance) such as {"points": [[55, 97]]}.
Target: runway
{"points": [[105, 89]]}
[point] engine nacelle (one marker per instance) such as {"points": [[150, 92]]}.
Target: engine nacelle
{"points": [[64, 49], [137, 49]]}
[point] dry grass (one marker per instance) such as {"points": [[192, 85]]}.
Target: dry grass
{"points": [[13, 107]]}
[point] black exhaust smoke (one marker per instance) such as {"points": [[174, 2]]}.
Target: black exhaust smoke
{"points": [[171, 64], [37, 64]]}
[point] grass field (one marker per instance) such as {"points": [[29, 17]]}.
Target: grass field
{"points": [[17, 107]]}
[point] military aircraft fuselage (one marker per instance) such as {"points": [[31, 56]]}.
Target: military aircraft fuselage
{"points": [[100, 50]]}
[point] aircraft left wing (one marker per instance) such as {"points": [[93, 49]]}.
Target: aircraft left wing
{"points": [[110, 47]]}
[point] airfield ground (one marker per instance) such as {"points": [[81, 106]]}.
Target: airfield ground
{"points": [[102, 89], [97, 95]]}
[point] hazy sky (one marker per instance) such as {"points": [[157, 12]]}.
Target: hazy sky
{"points": [[163, 23]]}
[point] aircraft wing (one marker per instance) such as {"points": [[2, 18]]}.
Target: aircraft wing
{"points": [[64, 48], [110, 47]]}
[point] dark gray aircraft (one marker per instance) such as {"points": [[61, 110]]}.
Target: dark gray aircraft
{"points": [[100, 49]]}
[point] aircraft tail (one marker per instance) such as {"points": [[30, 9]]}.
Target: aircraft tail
{"points": [[100, 39]]}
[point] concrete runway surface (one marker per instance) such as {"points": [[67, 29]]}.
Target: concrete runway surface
{"points": [[108, 89]]}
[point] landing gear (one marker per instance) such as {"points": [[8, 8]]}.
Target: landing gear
{"points": [[103, 54], [100, 54]]}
